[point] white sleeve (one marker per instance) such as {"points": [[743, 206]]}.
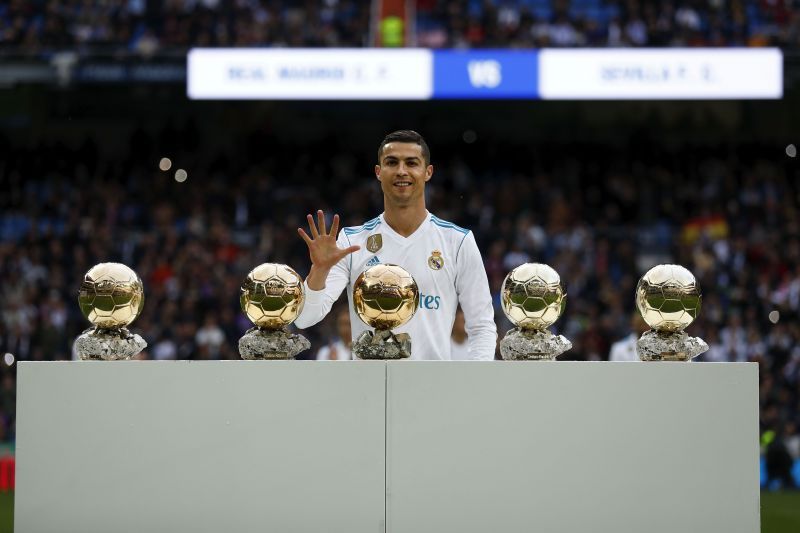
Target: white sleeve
{"points": [[472, 287], [319, 303]]}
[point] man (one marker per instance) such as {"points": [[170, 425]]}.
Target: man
{"points": [[625, 349], [341, 348], [459, 349], [443, 258]]}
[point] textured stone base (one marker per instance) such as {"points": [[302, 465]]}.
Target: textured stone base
{"points": [[524, 345], [116, 344], [666, 346], [382, 344], [259, 343]]}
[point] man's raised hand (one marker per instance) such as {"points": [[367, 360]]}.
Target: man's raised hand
{"points": [[322, 249]]}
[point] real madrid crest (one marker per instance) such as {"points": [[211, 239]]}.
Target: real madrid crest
{"points": [[374, 242], [436, 261]]}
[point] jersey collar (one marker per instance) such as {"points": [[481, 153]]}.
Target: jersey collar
{"points": [[417, 232]]}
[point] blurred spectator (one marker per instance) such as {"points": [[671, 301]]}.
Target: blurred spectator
{"points": [[625, 349], [339, 348], [210, 337], [779, 461]]}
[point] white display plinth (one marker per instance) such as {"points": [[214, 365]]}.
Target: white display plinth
{"points": [[409, 447], [573, 447], [219, 446]]}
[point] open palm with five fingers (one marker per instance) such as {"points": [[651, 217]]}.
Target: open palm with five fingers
{"points": [[322, 247]]}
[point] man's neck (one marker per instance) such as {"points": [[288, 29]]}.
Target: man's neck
{"points": [[406, 219]]}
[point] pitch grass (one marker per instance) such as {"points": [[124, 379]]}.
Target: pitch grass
{"points": [[780, 512], [6, 512]]}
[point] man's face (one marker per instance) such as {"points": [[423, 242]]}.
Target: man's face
{"points": [[403, 173]]}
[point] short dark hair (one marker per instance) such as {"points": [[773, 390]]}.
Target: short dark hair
{"points": [[406, 136]]}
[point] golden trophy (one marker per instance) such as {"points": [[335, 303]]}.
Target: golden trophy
{"points": [[111, 296], [533, 298], [272, 297], [384, 297], [668, 297]]}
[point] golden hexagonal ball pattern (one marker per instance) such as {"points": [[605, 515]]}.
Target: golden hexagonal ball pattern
{"points": [[272, 295], [668, 297], [111, 295], [385, 296], [532, 296]]}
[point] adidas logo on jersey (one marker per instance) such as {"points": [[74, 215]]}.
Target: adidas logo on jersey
{"points": [[374, 261]]}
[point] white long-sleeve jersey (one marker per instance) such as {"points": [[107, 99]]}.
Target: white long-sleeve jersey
{"points": [[446, 264]]}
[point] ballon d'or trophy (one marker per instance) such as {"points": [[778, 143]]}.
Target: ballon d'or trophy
{"points": [[384, 297], [111, 296], [533, 298], [668, 297], [272, 298]]}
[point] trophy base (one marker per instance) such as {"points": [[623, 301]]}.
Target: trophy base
{"points": [[382, 344], [112, 344], [258, 343], [532, 345], [669, 346]]}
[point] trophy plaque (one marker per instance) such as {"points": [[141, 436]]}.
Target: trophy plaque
{"points": [[384, 297], [272, 297], [111, 296], [668, 297], [533, 298]]}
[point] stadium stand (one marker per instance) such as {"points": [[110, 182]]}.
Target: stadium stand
{"points": [[145, 28]]}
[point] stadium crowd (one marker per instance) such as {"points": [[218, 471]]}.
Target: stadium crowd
{"points": [[729, 213], [598, 23], [150, 27]]}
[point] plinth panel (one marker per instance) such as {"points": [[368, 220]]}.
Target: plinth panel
{"points": [[136, 446], [568, 447]]}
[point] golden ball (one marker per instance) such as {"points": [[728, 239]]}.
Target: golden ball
{"points": [[533, 296], [385, 296], [111, 295], [668, 297], [272, 296]]}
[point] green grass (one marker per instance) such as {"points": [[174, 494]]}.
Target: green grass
{"points": [[6, 512], [780, 512]]}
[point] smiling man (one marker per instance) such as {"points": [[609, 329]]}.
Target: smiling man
{"points": [[443, 258]]}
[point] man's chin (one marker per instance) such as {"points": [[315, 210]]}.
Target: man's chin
{"points": [[404, 196], [399, 197]]}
